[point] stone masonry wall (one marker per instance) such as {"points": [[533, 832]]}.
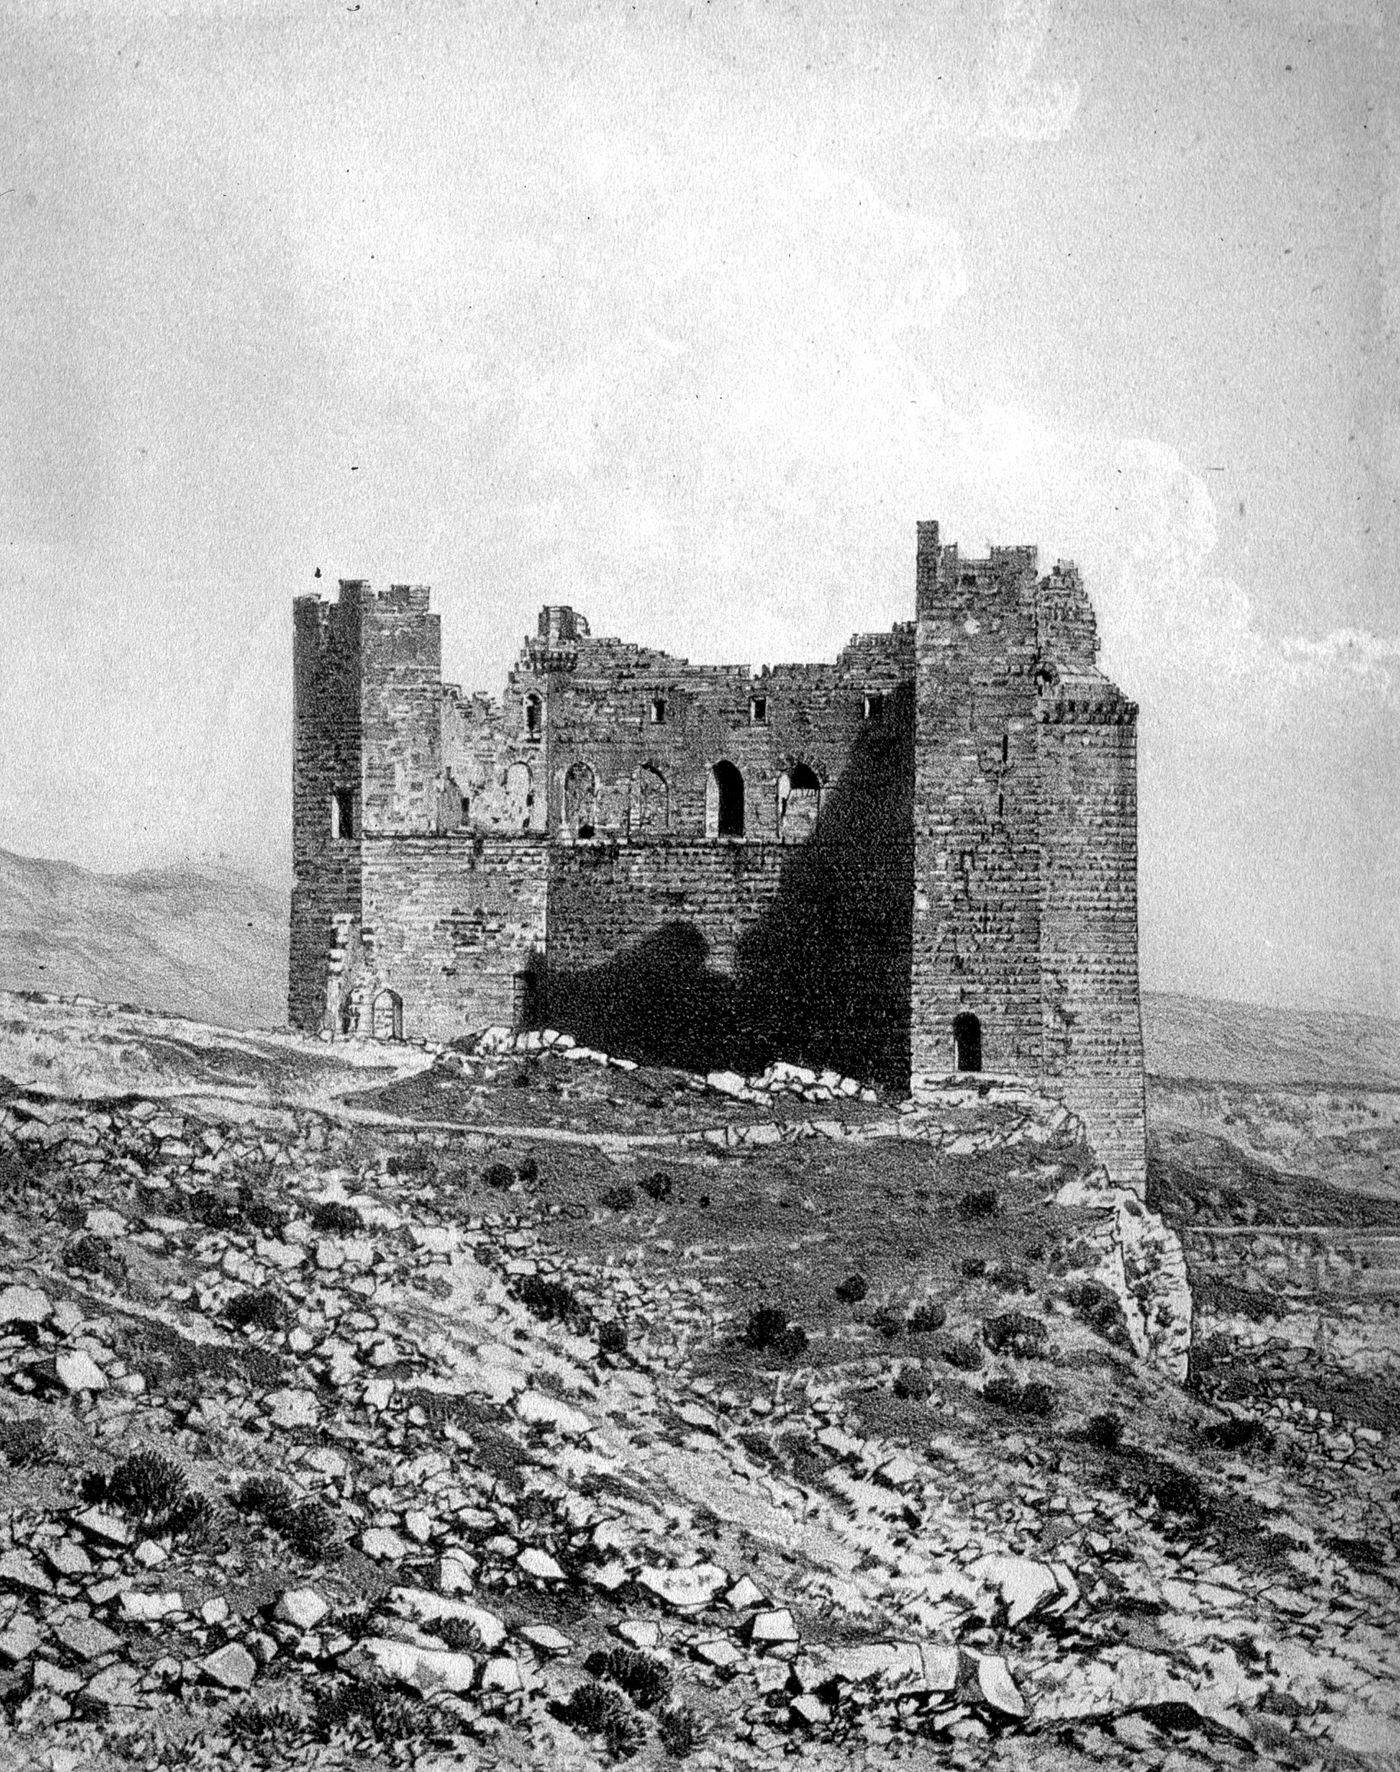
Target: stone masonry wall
{"points": [[702, 953], [1092, 1015], [401, 696], [977, 901], [326, 752], [454, 925]]}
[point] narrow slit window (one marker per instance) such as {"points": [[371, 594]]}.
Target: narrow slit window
{"points": [[658, 710]]}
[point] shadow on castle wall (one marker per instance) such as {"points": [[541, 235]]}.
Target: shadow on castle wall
{"points": [[823, 975]]}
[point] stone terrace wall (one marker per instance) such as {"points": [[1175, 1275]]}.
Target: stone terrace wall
{"points": [[454, 925]]}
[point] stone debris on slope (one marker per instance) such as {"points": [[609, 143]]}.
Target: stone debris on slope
{"points": [[993, 1636]]}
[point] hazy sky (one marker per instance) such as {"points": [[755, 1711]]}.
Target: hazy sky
{"points": [[685, 314]]}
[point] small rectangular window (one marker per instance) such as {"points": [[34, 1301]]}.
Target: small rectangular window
{"points": [[758, 710], [874, 706], [658, 710]]}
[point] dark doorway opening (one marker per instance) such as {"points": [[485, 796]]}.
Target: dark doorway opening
{"points": [[967, 1039], [729, 800]]}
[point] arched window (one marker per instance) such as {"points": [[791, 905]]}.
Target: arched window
{"points": [[967, 1042], [724, 801], [342, 814], [799, 802], [534, 715], [580, 800], [386, 1016], [651, 801]]}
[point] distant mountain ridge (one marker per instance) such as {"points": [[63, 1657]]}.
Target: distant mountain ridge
{"points": [[206, 942], [211, 943]]}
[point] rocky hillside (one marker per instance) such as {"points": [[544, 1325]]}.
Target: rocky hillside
{"points": [[207, 943], [536, 1410]]}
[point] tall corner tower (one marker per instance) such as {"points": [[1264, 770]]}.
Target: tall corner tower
{"points": [[366, 756], [976, 955], [1025, 955]]}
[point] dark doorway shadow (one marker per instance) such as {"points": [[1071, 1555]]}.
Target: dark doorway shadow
{"points": [[657, 1000]]}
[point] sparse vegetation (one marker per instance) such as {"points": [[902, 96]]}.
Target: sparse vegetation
{"points": [[147, 1486], [1238, 1434], [1104, 1431], [258, 1308], [612, 1338], [215, 1211], [978, 1203], [151, 1489], [460, 1635], [852, 1289], [306, 1526], [1100, 1307], [1016, 1333], [360, 1708], [599, 1709], [549, 1300], [927, 1318], [25, 1443], [769, 1332], [658, 1187], [1006, 1392], [620, 1198], [336, 1218], [680, 1730], [960, 1351], [645, 1680]]}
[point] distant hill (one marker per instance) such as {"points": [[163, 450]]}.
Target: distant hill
{"points": [[209, 943], [1251, 1043]]}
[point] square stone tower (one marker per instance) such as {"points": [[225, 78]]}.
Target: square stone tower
{"points": [[1025, 843]]}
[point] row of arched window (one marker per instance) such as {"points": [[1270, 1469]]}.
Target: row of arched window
{"points": [[798, 792]]}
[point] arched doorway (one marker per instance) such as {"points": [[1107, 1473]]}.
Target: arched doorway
{"points": [[799, 802], [724, 801], [580, 800], [967, 1042], [386, 1016]]}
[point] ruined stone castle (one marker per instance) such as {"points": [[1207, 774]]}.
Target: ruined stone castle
{"points": [[917, 860]]}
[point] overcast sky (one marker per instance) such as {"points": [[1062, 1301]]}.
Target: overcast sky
{"points": [[685, 314]]}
